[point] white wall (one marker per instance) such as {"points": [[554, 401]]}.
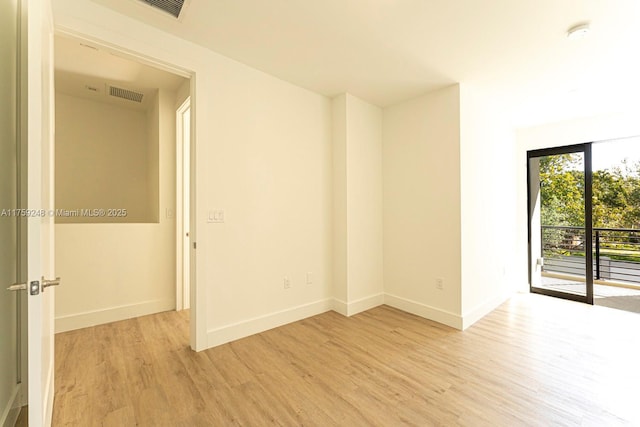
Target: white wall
{"points": [[339, 188], [154, 122], [364, 201], [449, 205], [103, 155], [488, 204], [357, 189], [267, 163], [421, 208], [263, 154], [117, 271]]}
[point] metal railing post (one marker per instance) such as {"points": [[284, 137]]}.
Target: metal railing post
{"points": [[597, 254]]}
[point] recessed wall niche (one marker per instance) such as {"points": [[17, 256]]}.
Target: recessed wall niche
{"points": [[106, 161]]}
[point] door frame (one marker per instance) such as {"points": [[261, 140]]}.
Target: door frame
{"points": [[584, 148], [183, 259], [197, 315]]}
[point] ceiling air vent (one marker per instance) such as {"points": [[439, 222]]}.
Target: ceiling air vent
{"points": [[125, 94], [172, 7]]}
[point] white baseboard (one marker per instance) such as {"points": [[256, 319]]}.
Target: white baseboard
{"points": [[112, 314], [235, 331], [483, 309], [359, 305], [49, 392], [423, 310], [9, 414], [340, 306], [259, 324]]}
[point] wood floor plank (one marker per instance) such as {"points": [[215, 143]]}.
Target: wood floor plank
{"points": [[533, 361]]}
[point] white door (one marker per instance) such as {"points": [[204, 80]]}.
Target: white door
{"points": [[40, 204], [28, 154]]}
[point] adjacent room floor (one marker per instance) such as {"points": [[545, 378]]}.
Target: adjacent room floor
{"points": [[534, 361]]}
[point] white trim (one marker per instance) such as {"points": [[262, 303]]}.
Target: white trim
{"points": [[12, 410], [245, 328], [340, 307], [182, 289], [122, 51], [49, 392], [235, 331], [423, 310], [364, 304], [358, 306], [113, 314], [482, 310]]}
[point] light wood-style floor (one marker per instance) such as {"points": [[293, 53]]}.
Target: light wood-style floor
{"points": [[535, 361]]}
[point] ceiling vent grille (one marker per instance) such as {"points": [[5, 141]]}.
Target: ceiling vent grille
{"points": [[125, 94], [172, 7]]}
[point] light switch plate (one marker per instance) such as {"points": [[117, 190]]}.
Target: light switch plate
{"points": [[215, 216]]}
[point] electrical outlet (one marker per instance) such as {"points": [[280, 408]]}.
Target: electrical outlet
{"points": [[287, 283], [309, 278], [440, 283]]}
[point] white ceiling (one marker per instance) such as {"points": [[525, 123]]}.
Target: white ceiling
{"points": [[385, 51], [80, 66]]}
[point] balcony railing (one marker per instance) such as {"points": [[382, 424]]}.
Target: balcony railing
{"points": [[616, 252]]}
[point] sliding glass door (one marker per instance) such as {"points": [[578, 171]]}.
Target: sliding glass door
{"points": [[560, 222]]}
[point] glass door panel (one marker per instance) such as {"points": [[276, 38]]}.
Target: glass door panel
{"points": [[560, 238]]}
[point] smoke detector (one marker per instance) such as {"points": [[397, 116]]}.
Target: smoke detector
{"points": [[578, 32]]}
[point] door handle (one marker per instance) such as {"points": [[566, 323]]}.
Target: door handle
{"points": [[46, 283], [35, 286], [17, 287]]}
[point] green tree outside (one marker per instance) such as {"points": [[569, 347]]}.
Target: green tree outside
{"points": [[616, 193], [616, 204]]}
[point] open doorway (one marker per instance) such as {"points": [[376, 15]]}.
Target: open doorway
{"points": [[116, 183], [584, 222], [560, 223], [616, 223]]}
